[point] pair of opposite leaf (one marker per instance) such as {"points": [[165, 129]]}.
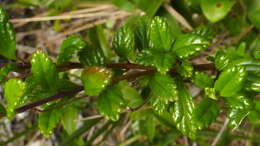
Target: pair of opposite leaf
{"points": [[158, 48]]}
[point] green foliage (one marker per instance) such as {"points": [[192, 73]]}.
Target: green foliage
{"points": [[215, 10], [7, 37], [163, 91], [70, 46], [230, 81], [95, 79], [5, 70], [205, 113], [202, 80], [91, 56], [13, 99], [253, 11], [185, 69]]}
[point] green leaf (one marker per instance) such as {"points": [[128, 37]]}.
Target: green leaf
{"points": [[230, 81], [141, 30], [110, 102], [148, 6], [202, 80], [124, 43], [7, 36], [131, 96], [215, 10], [159, 34], [44, 72], [148, 126], [95, 79], [182, 111], [240, 106], [253, 10], [221, 60], [205, 113], [69, 119], [204, 31], [185, 69], [163, 91], [255, 47], [70, 46], [13, 93], [189, 45], [210, 93], [254, 117], [49, 119], [5, 70], [162, 61], [91, 57]]}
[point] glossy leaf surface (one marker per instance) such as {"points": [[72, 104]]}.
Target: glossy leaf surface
{"points": [[189, 45], [230, 81], [70, 46], [202, 80], [185, 69], [91, 57]]}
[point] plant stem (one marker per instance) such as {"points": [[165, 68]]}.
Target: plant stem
{"points": [[223, 128]]}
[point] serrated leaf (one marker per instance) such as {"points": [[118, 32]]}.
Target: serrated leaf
{"points": [[230, 81], [141, 30], [95, 79], [205, 113], [215, 10], [159, 34], [110, 102], [5, 70], [124, 43], [13, 93], [210, 93], [204, 32], [202, 80], [253, 10], [44, 72], [189, 45], [69, 119], [240, 106], [48, 120], [185, 69], [70, 46], [221, 60], [182, 111], [91, 57], [131, 96], [7, 36], [163, 91], [162, 61]]}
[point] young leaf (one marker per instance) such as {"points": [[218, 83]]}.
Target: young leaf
{"points": [[205, 113], [91, 57], [160, 60], [210, 93], [48, 120], [215, 10], [95, 79], [109, 103], [141, 30], [131, 96], [159, 34], [163, 90], [189, 45], [203, 31], [44, 72], [182, 111], [240, 106], [13, 93], [202, 80], [7, 36], [185, 69], [230, 81], [124, 43], [70, 46]]}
